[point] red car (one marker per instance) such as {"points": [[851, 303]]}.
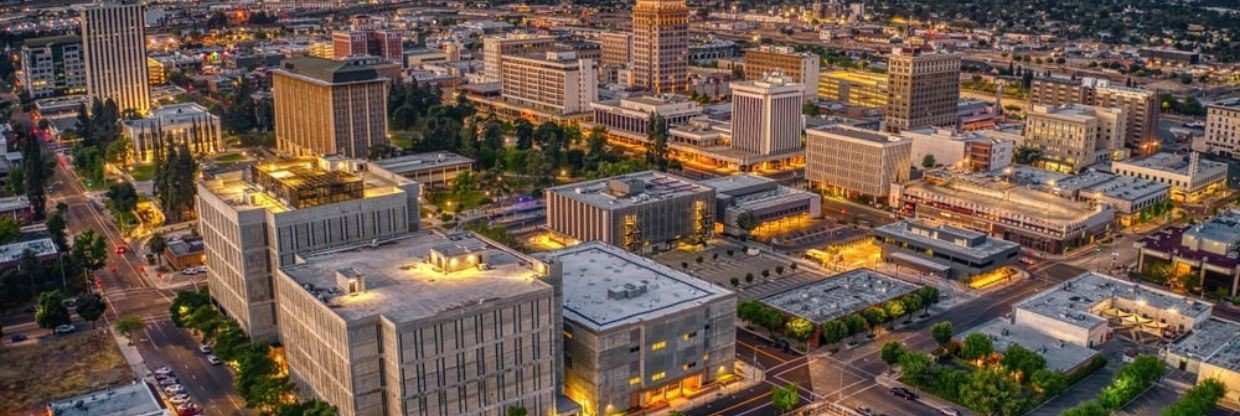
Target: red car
{"points": [[121, 250]]}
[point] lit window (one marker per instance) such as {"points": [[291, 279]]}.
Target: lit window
{"points": [[635, 381], [658, 376], [690, 335], [658, 345]]}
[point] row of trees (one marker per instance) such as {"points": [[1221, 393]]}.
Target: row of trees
{"points": [[174, 188], [837, 330], [69, 274], [1131, 380], [1198, 400], [257, 379]]}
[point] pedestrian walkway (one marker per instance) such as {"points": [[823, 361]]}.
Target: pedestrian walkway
{"points": [[748, 377], [130, 352]]}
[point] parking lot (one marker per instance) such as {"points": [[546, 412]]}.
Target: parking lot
{"points": [[756, 274]]}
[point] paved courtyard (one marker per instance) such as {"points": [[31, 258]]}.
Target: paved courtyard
{"points": [[756, 276]]}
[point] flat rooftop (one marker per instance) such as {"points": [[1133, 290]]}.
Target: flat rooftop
{"points": [[241, 188], [995, 193], [734, 183], [403, 286], [1128, 188], [1060, 356], [642, 188], [1175, 163], [331, 71], [872, 136], [1075, 301], [40, 247], [957, 240], [1215, 341], [134, 399], [169, 115], [403, 165], [606, 287], [839, 295]]}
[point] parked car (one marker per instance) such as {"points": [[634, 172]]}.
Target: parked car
{"points": [[204, 348], [211, 358], [17, 338], [949, 411], [174, 389], [903, 393], [64, 329], [168, 381], [189, 409], [163, 371]]}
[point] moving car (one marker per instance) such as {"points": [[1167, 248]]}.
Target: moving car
{"points": [[211, 358], [903, 393], [204, 348], [64, 329], [174, 389], [163, 371]]}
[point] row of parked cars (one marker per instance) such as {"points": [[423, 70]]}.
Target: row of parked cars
{"points": [[190, 271], [175, 393]]}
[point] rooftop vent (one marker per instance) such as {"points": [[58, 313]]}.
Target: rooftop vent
{"points": [[627, 291], [350, 281]]}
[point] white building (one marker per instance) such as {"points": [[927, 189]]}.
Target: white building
{"points": [[1191, 179], [114, 44], [1072, 137], [556, 81], [766, 115], [190, 124], [1223, 128]]}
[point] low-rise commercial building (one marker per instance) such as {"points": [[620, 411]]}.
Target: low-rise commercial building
{"points": [[832, 298], [43, 249], [1129, 196], [856, 162], [976, 151], [1212, 352], [627, 119], [962, 253], [1192, 180], [17, 208], [188, 124], [752, 204], [431, 170], [133, 399], [638, 211], [424, 324], [1031, 217], [1207, 253], [639, 334], [257, 220]]}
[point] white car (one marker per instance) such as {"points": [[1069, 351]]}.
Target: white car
{"points": [[211, 358], [204, 348], [189, 271], [167, 381], [64, 329], [174, 389], [163, 371], [179, 399]]}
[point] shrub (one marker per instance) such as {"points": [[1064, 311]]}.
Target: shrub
{"points": [[1198, 400]]}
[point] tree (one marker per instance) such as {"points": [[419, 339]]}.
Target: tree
{"points": [[895, 308], [915, 365], [799, 328], [834, 331], [856, 324], [128, 324], [34, 171], [977, 345], [90, 307], [928, 161], [50, 311], [1199, 400], [525, 134], [1089, 408], [118, 151], [56, 227], [1027, 155], [809, 109], [307, 408], [1022, 362], [891, 353], [874, 316], [942, 333], [990, 391], [9, 230], [90, 250], [1130, 381], [747, 221], [515, 411], [785, 398], [157, 243], [1048, 382], [656, 135]]}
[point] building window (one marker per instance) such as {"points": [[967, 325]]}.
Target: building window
{"points": [[635, 381], [658, 345], [690, 335], [658, 376]]}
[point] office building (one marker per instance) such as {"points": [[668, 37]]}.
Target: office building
{"points": [[423, 324], [854, 88], [951, 252], [328, 107], [617, 48], [766, 115], [190, 124], [978, 151], [557, 82], [856, 162], [257, 220], [114, 45], [661, 45], [1140, 106], [769, 204], [1192, 180], [385, 45], [1071, 137], [923, 89], [1206, 254], [495, 48], [639, 211], [433, 170], [627, 119], [638, 334], [53, 66], [800, 67], [1223, 128], [1034, 218]]}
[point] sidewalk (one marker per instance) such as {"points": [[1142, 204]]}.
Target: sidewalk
{"points": [[130, 352], [748, 375]]}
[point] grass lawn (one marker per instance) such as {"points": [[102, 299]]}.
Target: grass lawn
{"points": [[402, 139], [58, 367], [144, 172], [459, 201], [228, 158]]}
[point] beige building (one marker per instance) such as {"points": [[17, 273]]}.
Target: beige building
{"points": [[800, 67], [661, 45], [550, 81], [190, 124], [766, 115], [855, 88], [856, 162], [423, 324], [923, 90], [496, 48], [638, 334], [639, 211], [327, 107], [114, 48], [1072, 137], [1223, 128], [258, 220], [617, 48], [1140, 106]]}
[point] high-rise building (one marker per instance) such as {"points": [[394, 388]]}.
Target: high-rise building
{"points": [[855, 88], [855, 162], [328, 107], [648, 335], [53, 66], [766, 115], [114, 44], [617, 48], [661, 45], [385, 45], [426, 324], [1223, 128], [496, 48], [638, 211], [923, 89], [1140, 106], [257, 220], [800, 67], [555, 81], [1072, 137]]}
